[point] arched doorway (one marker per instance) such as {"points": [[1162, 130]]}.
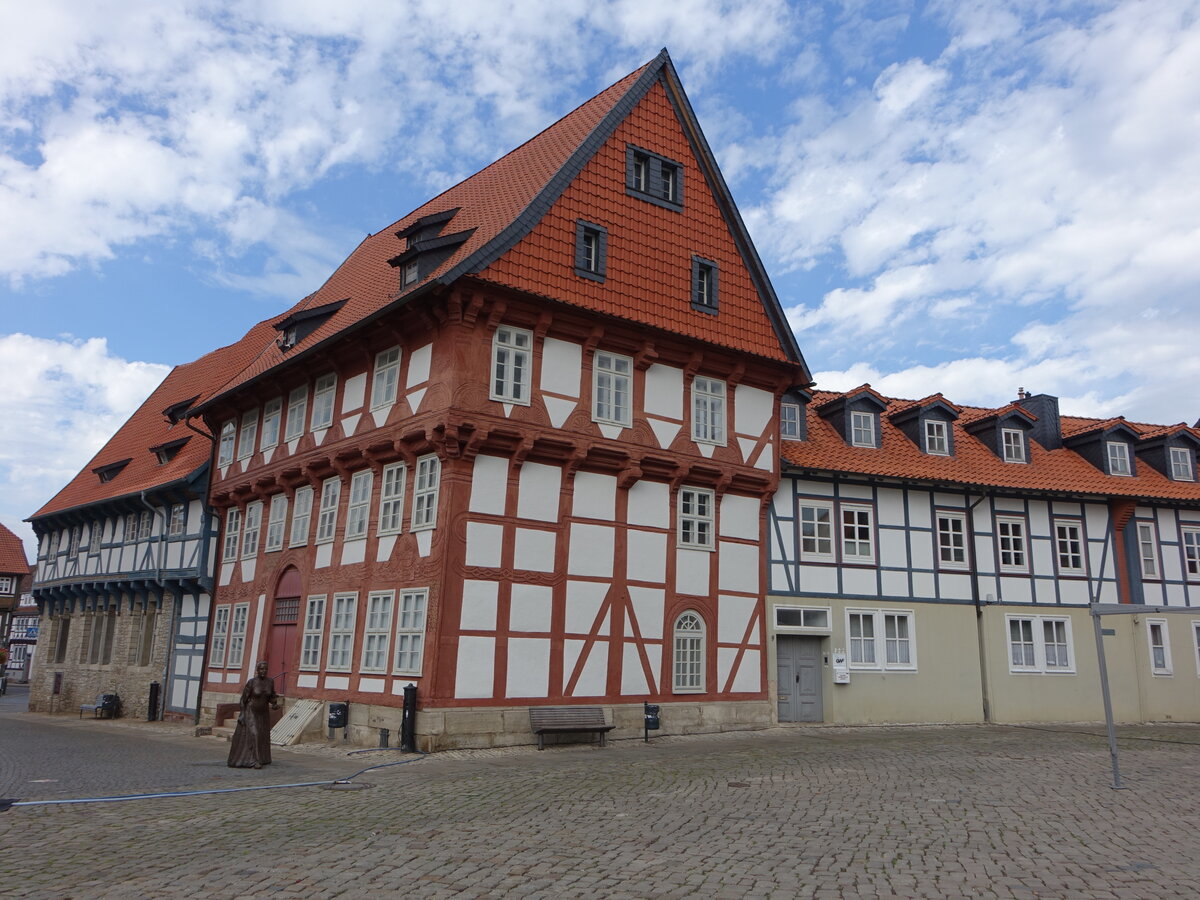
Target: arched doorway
{"points": [[281, 643]]}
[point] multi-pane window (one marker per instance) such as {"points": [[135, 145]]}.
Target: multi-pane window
{"points": [[1068, 546], [951, 538], [76, 537], [249, 434], [1010, 535], [377, 631], [861, 634], [688, 656], [275, 522], [789, 420], [391, 498], [881, 639], [412, 273], [654, 178], [360, 504], [1118, 458], [1040, 644], [297, 410], [1181, 464], [131, 527], [1147, 550], [858, 540], [410, 631], [816, 531], [178, 520], [669, 185], [696, 518], [272, 413], [591, 250], [802, 617], [1191, 551], [225, 448], [425, 492], [251, 529], [6, 584], [322, 406], [708, 410], [862, 429], [639, 175], [705, 285], [937, 441], [341, 631], [511, 364], [233, 528], [612, 382], [331, 493], [314, 627], [220, 634], [1013, 441], [1160, 648], [301, 517], [237, 635], [387, 376], [144, 523]]}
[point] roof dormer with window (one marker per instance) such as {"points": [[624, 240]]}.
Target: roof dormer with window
{"points": [[1005, 432], [426, 248], [1171, 451], [929, 423], [1108, 446], [855, 415], [793, 420], [299, 325]]}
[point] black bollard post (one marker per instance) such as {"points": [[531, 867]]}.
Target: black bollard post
{"points": [[408, 724]]}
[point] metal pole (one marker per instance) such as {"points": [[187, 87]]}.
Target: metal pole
{"points": [[408, 723], [1108, 713]]}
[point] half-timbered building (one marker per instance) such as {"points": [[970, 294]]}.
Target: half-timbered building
{"points": [[518, 449]]}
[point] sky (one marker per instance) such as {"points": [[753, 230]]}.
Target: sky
{"points": [[968, 196]]}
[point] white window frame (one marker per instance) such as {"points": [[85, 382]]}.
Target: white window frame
{"points": [[1013, 442], [789, 421], [391, 498], [708, 410], [1189, 545], [864, 517], [272, 415], [1034, 649], [696, 519], [301, 517], [512, 365], [688, 652], [178, 523], [251, 529], [220, 635], [951, 540], [816, 529], [1156, 667], [233, 531], [1196, 645], [297, 413], [1015, 541], [358, 511], [862, 428], [1148, 551], [145, 525], [824, 612], [1118, 458], [248, 435], [937, 437], [426, 484], [377, 631], [237, 635], [410, 631], [879, 644], [612, 388], [331, 497], [276, 520], [324, 395], [314, 631], [6, 584], [386, 379], [1063, 544], [341, 632], [225, 448], [1181, 464]]}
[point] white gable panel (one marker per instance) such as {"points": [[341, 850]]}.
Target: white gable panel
{"points": [[475, 672], [748, 679], [893, 547], [725, 658], [860, 581], [418, 365], [739, 517], [692, 572], [540, 487], [584, 599], [647, 606], [664, 391], [558, 409], [738, 567], [664, 432], [591, 550], [733, 616], [752, 409], [895, 584], [489, 485], [534, 550], [484, 543], [323, 557], [594, 677], [891, 506], [646, 556], [561, 366], [384, 551], [354, 552]]}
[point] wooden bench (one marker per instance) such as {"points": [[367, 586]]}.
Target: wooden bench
{"points": [[105, 707], [545, 720]]}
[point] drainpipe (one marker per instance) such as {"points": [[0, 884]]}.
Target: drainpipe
{"points": [[985, 689], [162, 546]]}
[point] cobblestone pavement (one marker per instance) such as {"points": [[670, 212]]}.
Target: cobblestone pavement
{"points": [[790, 812]]}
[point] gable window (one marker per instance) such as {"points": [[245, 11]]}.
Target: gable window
{"points": [[708, 410], [425, 492], [1010, 533], [76, 536], [225, 449], [639, 172], [591, 250], [1181, 464], [296, 412], [1068, 545], [314, 626], [1191, 551], [360, 504], [881, 639], [278, 515], [862, 429], [331, 493], [378, 631], [857, 534], [1118, 458], [951, 538], [391, 498], [249, 435], [511, 358], [816, 532], [1147, 550], [1013, 440], [341, 631], [387, 376], [216, 654], [705, 294], [237, 635], [696, 518], [410, 631], [233, 527], [251, 530], [412, 272], [653, 178], [322, 408], [272, 413], [937, 441], [789, 420], [301, 517], [1160, 647], [1040, 644], [668, 185], [688, 654], [612, 378]]}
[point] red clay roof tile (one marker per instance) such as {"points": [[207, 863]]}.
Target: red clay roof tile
{"points": [[12, 554]]}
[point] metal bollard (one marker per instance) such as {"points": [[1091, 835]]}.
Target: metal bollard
{"points": [[408, 724]]}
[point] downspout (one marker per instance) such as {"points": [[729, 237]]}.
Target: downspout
{"points": [[203, 579], [162, 545], [984, 687]]}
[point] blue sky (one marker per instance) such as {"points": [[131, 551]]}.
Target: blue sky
{"points": [[966, 197]]}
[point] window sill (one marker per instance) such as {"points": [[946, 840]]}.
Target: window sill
{"points": [[590, 275], [704, 308], [509, 400]]}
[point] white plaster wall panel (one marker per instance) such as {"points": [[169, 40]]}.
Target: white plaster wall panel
{"points": [[337, 683], [484, 543], [1042, 557], [1166, 521], [818, 579], [779, 579], [782, 538], [1095, 520], [528, 667], [1189, 516], [195, 515], [1061, 508], [424, 542], [584, 599], [534, 550], [753, 409], [954, 586], [268, 455], [740, 517], [558, 409], [949, 501], [733, 615], [1015, 590], [918, 509], [633, 676], [248, 567], [738, 567], [371, 685], [306, 681], [383, 552], [353, 392], [746, 447], [539, 490], [595, 496], [664, 391], [414, 399], [479, 604], [782, 499], [354, 552], [612, 432], [767, 459], [398, 687], [126, 559], [857, 492], [530, 608], [350, 423], [890, 507], [815, 488], [922, 584], [860, 581], [895, 584], [985, 557], [1172, 570], [649, 505], [561, 366], [174, 557], [226, 573], [1074, 593], [1009, 504], [1044, 591], [646, 556], [648, 606], [1039, 518], [725, 658], [664, 432], [748, 679], [234, 677], [475, 672], [291, 445], [692, 572], [319, 436], [507, 409], [418, 365], [323, 556], [594, 677], [489, 485], [591, 550], [893, 546]]}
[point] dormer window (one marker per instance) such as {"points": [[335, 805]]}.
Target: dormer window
{"points": [[1014, 444], [288, 340], [936, 440], [411, 272], [107, 473], [1182, 468], [789, 421], [1118, 458], [862, 429], [164, 453], [304, 322]]}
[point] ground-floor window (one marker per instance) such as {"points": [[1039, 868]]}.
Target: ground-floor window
{"points": [[881, 639], [688, 653], [410, 631], [1040, 644], [1160, 647]]}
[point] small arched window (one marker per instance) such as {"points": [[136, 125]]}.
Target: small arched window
{"points": [[689, 653]]}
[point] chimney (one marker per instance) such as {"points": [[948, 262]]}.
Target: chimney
{"points": [[1047, 430]]}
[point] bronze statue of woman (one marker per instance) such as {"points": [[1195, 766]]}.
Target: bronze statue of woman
{"points": [[251, 746]]}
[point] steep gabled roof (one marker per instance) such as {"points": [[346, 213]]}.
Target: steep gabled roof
{"points": [[12, 554]]}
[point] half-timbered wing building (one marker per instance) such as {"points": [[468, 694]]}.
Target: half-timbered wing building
{"points": [[935, 563], [518, 449]]}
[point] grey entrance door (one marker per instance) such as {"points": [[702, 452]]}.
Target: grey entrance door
{"points": [[798, 669]]}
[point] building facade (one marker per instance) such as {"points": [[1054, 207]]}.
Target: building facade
{"points": [[22, 638], [14, 579]]}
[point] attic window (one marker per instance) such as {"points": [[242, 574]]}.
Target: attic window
{"points": [[705, 285], [591, 250], [862, 429], [168, 451], [1014, 444], [176, 412], [1118, 458], [653, 178], [411, 272], [1181, 464], [936, 442], [789, 420], [107, 473], [302, 323]]}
